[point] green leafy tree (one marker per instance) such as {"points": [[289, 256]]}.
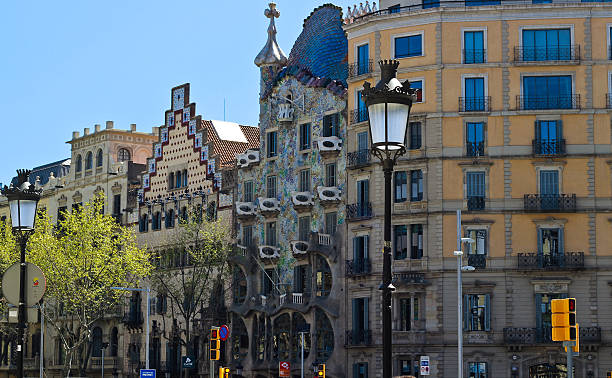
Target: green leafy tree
{"points": [[82, 257]]}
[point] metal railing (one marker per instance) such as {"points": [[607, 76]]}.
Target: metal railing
{"points": [[474, 149], [608, 100], [548, 147], [477, 261], [358, 158], [356, 268], [549, 202], [553, 53], [590, 335], [568, 101], [357, 211], [568, 260], [359, 115], [359, 68], [359, 337], [475, 104], [409, 278], [475, 203], [473, 56]]}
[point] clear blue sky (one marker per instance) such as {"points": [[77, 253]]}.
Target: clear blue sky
{"points": [[68, 65]]}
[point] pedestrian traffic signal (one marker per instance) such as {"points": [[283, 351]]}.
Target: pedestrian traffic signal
{"points": [[224, 372], [564, 319], [321, 371], [215, 344]]}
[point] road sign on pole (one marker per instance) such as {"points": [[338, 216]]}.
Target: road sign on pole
{"points": [[284, 369], [35, 284], [187, 362], [147, 373], [223, 332], [424, 365]]}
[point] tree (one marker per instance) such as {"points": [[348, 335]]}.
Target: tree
{"points": [[9, 254], [82, 257], [191, 273]]}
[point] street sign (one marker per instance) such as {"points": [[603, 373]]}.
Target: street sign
{"points": [[35, 284], [187, 362], [284, 369], [147, 373], [223, 332], [424, 365]]}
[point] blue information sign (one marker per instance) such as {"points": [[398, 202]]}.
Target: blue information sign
{"points": [[147, 373]]}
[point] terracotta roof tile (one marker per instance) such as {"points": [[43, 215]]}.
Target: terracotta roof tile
{"points": [[227, 150]]}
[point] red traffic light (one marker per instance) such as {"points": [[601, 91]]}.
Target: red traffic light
{"points": [[572, 304]]}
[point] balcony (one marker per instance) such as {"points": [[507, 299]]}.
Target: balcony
{"points": [[329, 146], [475, 203], [269, 205], [477, 261], [533, 336], [242, 254], [409, 278], [329, 194], [302, 200], [358, 159], [548, 147], [359, 115], [536, 261], [550, 202], [473, 56], [133, 318], [299, 248], [359, 211], [359, 68], [474, 149], [245, 210], [474, 104], [590, 335], [564, 53], [294, 298], [321, 243], [568, 101], [246, 159], [269, 252], [358, 337], [356, 268]]}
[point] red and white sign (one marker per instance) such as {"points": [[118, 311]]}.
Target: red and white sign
{"points": [[424, 365], [223, 332], [284, 369]]}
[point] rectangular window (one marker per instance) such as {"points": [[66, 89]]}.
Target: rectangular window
{"points": [[547, 92], [474, 138], [410, 367], [117, 204], [473, 47], [271, 234], [549, 245], [416, 185], [430, 4], [549, 185], [272, 144], [304, 228], [547, 44], [416, 241], [408, 46], [271, 186], [475, 182], [478, 370], [474, 100], [248, 191], [479, 247], [363, 59], [331, 222], [247, 236], [362, 112], [400, 239], [363, 192], [331, 125], [305, 180], [330, 174], [418, 84], [408, 313], [548, 138], [300, 279], [360, 370], [415, 135], [482, 2], [304, 136], [394, 8], [360, 316], [360, 254], [543, 315], [362, 141], [401, 186], [268, 280], [61, 213], [477, 312]]}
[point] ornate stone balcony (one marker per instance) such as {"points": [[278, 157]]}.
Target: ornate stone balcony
{"points": [[362, 337], [356, 268], [358, 159], [550, 202], [535, 261], [359, 211]]}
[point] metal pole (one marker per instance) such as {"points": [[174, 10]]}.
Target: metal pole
{"points": [[21, 315], [147, 328], [570, 354], [302, 333], [459, 302], [386, 282], [103, 362], [212, 362], [42, 339]]}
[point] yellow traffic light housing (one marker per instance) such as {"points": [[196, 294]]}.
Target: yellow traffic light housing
{"points": [[564, 319], [215, 344], [321, 371], [226, 372]]}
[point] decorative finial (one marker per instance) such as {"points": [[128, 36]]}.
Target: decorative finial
{"points": [[272, 12], [271, 54]]}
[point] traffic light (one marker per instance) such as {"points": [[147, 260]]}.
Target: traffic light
{"points": [[564, 319], [215, 344], [609, 374], [321, 371], [224, 372]]}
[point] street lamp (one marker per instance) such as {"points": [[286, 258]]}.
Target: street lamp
{"points": [[23, 201], [388, 105], [460, 268]]}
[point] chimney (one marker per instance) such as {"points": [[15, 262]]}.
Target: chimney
{"points": [[109, 125], [132, 127], [97, 128], [86, 131], [155, 130], [75, 135]]}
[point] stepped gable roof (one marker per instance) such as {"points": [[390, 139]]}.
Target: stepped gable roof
{"points": [[229, 139]]}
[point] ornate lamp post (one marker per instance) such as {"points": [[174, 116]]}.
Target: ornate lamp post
{"points": [[23, 201], [388, 104]]}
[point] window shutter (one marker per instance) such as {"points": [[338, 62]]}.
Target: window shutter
{"points": [[559, 130], [366, 314], [488, 312], [539, 241], [296, 278], [365, 370], [355, 370], [355, 317], [536, 129], [366, 247], [466, 312], [561, 241], [355, 249], [308, 279], [538, 300]]}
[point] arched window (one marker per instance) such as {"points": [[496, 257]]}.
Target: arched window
{"points": [[178, 179], [96, 342], [282, 338], [89, 160], [169, 218], [156, 221], [324, 334], [99, 158], [184, 177], [143, 224], [171, 180], [298, 323], [324, 277], [240, 286], [240, 338], [123, 155], [114, 342], [79, 163]]}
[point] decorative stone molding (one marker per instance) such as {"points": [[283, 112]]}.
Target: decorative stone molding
{"points": [[551, 286]]}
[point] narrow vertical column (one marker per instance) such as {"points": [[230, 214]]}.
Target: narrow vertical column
{"points": [[386, 282]]}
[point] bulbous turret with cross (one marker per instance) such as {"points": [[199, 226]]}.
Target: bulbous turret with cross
{"points": [[271, 58]]}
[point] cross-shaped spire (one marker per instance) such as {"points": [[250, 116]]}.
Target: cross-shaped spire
{"points": [[272, 11]]}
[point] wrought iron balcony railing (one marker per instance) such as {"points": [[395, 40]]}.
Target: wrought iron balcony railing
{"points": [[568, 260], [409, 278], [472, 56], [359, 337], [553, 53], [568, 101], [358, 211], [590, 335], [475, 104], [474, 149], [359, 115], [475, 203], [550, 202], [543, 335], [359, 68], [548, 147], [356, 268], [477, 261], [608, 100], [358, 158]]}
